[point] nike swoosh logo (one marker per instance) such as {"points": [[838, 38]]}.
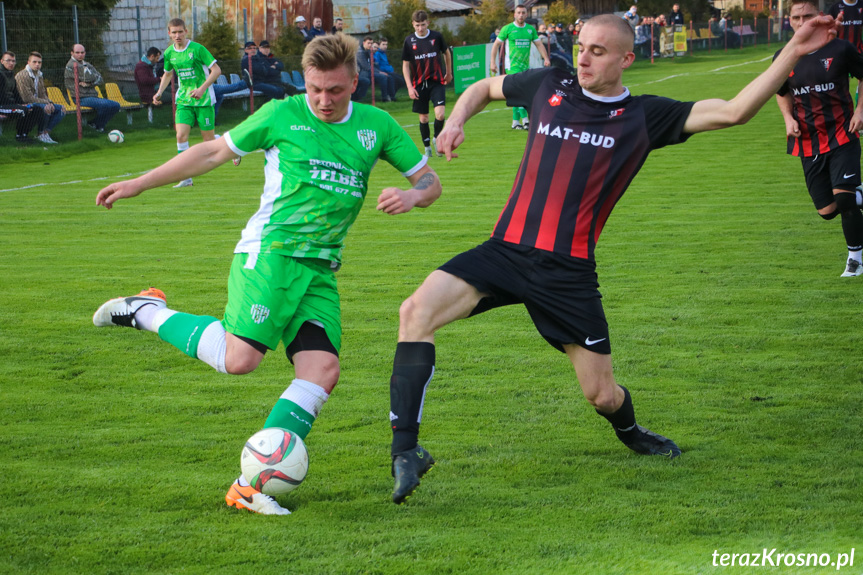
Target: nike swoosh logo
{"points": [[589, 341], [846, 176], [420, 454]]}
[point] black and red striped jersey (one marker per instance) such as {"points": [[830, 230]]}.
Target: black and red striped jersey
{"points": [[823, 105], [581, 155], [852, 22], [425, 56]]}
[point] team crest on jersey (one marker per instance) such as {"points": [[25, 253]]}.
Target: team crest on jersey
{"points": [[432, 41], [555, 100], [259, 313], [368, 138], [827, 62], [615, 113]]}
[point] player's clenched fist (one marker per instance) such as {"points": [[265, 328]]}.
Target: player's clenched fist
{"points": [[396, 201]]}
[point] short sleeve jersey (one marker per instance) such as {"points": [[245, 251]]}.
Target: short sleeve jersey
{"points": [[518, 40], [852, 22], [192, 66], [582, 153], [823, 105], [424, 56], [316, 174]]}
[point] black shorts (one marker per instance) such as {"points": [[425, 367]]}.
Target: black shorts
{"points": [[561, 293], [430, 91], [838, 169]]}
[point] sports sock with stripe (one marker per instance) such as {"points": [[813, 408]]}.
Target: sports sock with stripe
{"points": [[413, 369], [622, 420], [298, 407], [185, 332]]}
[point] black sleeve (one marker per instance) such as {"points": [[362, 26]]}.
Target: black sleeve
{"points": [[443, 46], [665, 119], [407, 55], [855, 60], [519, 89]]}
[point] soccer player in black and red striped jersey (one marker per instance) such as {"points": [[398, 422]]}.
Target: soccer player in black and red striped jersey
{"points": [[589, 137], [821, 123], [852, 21], [424, 75]]}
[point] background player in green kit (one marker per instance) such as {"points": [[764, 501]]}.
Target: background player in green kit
{"points": [[518, 35], [196, 71], [320, 148]]}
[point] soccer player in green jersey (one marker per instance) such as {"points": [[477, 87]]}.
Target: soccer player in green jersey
{"points": [[196, 70], [519, 35], [320, 149]]}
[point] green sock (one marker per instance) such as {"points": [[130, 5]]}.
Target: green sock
{"points": [[516, 114], [183, 331], [288, 415]]}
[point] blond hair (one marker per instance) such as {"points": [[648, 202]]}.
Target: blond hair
{"points": [[329, 52]]}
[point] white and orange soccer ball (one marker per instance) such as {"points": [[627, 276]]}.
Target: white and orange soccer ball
{"points": [[275, 461]]}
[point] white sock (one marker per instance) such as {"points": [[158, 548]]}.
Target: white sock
{"points": [[212, 346], [182, 147], [242, 481], [149, 318], [859, 195], [514, 123], [856, 255], [307, 395]]}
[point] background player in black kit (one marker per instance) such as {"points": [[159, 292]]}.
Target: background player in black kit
{"points": [[591, 137], [424, 75], [852, 21], [821, 123]]}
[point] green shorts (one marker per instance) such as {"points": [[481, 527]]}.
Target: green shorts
{"points": [[205, 115], [270, 300]]}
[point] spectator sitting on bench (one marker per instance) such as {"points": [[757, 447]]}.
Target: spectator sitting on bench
{"points": [[257, 80], [12, 105], [31, 87], [88, 77]]}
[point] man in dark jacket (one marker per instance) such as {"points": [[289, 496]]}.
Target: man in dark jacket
{"points": [[147, 77], [12, 105], [258, 79]]}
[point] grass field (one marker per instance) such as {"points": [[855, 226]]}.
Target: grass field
{"points": [[730, 326]]}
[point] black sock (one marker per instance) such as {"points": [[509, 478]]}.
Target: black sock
{"points": [[852, 227], [438, 126], [622, 420], [413, 368], [424, 132]]}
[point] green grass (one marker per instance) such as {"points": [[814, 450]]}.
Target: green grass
{"points": [[729, 322]]}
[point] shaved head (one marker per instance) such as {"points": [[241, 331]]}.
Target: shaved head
{"points": [[624, 35]]}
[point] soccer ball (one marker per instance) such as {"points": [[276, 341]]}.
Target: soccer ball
{"points": [[116, 136], [275, 461]]}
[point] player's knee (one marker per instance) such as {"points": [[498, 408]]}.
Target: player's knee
{"points": [[413, 315], [241, 364], [829, 212]]}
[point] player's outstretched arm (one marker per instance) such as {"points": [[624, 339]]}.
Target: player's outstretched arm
{"points": [[716, 114], [197, 160], [426, 189], [470, 103], [495, 50]]}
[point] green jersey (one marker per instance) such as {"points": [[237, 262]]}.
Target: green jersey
{"points": [[192, 66], [518, 41], [316, 174]]}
